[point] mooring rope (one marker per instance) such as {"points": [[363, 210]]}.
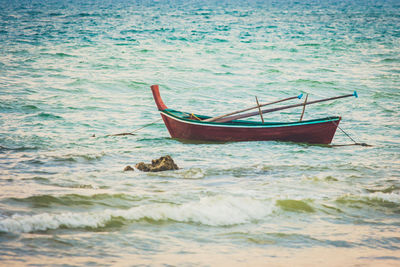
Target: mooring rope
{"points": [[136, 130], [351, 138]]}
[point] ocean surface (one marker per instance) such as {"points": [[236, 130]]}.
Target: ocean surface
{"points": [[72, 72]]}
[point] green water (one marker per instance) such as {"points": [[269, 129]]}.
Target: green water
{"points": [[71, 70]]}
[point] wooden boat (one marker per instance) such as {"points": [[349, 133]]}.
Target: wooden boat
{"points": [[188, 126]]}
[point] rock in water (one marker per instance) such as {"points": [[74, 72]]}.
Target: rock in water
{"points": [[143, 167], [128, 168], [162, 164]]}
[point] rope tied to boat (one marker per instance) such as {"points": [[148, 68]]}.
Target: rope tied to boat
{"points": [[136, 130], [355, 143], [194, 117]]}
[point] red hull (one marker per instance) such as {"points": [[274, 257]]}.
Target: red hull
{"points": [[314, 132], [319, 133]]}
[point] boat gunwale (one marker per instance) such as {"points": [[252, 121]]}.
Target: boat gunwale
{"points": [[245, 124]]}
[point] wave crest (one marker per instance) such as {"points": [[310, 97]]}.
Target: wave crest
{"points": [[212, 211]]}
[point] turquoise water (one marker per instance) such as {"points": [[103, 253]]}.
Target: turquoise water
{"points": [[71, 70]]}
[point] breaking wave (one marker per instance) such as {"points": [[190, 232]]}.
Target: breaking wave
{"points": [[211, 211], [379, 196]]}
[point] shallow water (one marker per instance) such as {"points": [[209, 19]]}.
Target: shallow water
{"points": [[70, 70]]}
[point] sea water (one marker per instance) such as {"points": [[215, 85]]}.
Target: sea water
{"points": [[72, 72]]}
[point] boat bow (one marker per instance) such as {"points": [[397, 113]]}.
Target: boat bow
{"points": [[157, 98]]}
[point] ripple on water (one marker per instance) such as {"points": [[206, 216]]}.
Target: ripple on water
{"points": [[295, 205], [76, 201], [380, 202]]}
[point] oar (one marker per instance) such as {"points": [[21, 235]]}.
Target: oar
{"points": [[241, 116], [259, 110], [247, 109], [304, 108]]}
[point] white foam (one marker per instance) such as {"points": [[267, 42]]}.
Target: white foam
{"points": [[213, 211], [391, 197], [46, 221]]}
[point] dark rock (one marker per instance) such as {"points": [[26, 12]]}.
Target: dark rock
{"points": [[128, 168], [162, 164], [143, 167]]}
